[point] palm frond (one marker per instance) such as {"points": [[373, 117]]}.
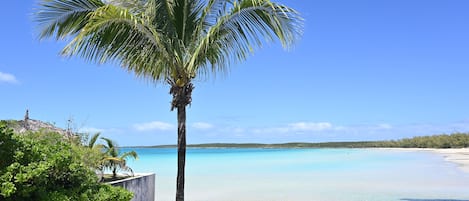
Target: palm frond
{"points": [[94, 138], [115, 34], [239, 32], [64, 17], [110, 148], [186, 14], [131, 154], [161, 16], [211, 13], [115, 160], [134, 6], [109, 143]]}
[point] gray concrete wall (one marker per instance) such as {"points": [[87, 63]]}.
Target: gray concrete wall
{"points": [[142, 185]]}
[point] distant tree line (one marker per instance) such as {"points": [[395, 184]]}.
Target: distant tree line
{"points": [[455, 140], [444, 141]]}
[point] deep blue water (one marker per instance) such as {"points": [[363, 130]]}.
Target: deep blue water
{"points": [[305, 174]]}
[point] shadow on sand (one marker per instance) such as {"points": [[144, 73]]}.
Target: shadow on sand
{"points": [[411, 199]]}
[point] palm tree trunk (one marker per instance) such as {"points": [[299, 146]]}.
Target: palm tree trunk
{"points": [[114, 172], [181, 98], [181, 152]]}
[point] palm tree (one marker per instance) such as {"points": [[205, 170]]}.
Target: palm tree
{"points": [[109, 156], [114, 160], [168, 41]]}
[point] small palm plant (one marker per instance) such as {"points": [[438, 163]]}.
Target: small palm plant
{"points": [[109, 156], [114, 160]]}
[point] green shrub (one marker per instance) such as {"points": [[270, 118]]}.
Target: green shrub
{"points": [[44, 166]]}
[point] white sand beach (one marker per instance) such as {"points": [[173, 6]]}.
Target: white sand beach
{"points": [[459, 156]]}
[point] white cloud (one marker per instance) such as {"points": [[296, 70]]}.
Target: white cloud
{"points": [[297, 127], [8, 78], [270, 130], [202, 125], [238, 130], [310, 126], [384, 126], [232, 130], [155, 125]]}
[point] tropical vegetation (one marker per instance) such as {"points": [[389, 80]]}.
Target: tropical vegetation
{"points": [[110, 157], [46, 166], [114, 160], [455, 140], [168, 41]]}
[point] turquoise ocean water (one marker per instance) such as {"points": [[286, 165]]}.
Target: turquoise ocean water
{"points": [[306, 175]]}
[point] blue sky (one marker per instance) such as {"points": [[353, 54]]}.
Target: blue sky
{"points": [[364, 70]]}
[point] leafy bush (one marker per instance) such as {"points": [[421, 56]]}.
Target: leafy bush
{"points": [[44, 166]]}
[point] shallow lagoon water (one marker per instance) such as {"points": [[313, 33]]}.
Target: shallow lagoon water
{"points": [[234, 174]]}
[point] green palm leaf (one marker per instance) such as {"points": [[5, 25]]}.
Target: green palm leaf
{"points": [[92, 141], [237, 33], [63, 18]]}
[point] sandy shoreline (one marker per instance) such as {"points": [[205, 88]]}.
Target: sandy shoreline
{"points": [[458, 156]]}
